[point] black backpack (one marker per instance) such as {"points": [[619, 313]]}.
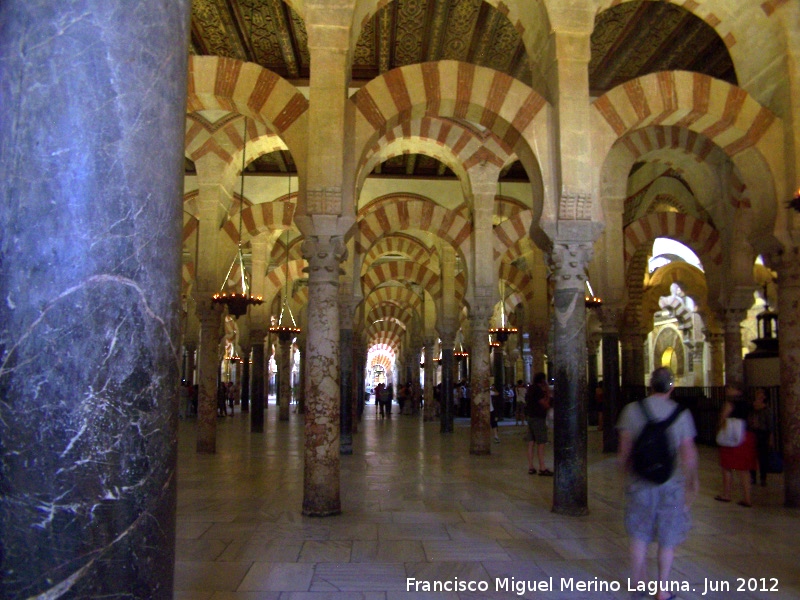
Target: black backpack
{"points": [[652, 456]]}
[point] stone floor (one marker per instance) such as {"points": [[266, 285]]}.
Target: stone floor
{"points": [[416, 505]]}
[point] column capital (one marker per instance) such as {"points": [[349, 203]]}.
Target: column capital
{"points": [[324, 253], [480, 314], [569, 261]]}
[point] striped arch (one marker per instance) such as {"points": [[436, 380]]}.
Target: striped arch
{"points": [[727, 115], [218, 83], [445, 88], [390, 311], [383, 355], [385, 332], [225, 139], [401, 212], [456, 144], [393, 294], [276, 279], [401, 271], [518, 280], [258, 218], [402, 244], [508, 234], [506, 207], [277, 255], [697, 235], [657, 145]]}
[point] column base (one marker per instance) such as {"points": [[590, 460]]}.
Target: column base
{"points": [[571, 511]]}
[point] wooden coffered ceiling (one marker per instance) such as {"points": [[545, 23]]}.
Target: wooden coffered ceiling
{"points": [[629, 40]]}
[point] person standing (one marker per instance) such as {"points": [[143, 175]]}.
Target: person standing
{"points": [[537, 403], [658, 512], [519, 411], [741, 458], [760, 424]]}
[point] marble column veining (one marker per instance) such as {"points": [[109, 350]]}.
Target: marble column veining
{"points": [[321, 485], [480, 422], [284, 379], [570, 485], [90, 277], [788, 267]]}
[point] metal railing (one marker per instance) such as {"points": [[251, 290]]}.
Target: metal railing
{"points": [[705, 404]]}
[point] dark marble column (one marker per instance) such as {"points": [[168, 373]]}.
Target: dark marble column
{"points": [[358, 382], [480, 423], [788, 267], [284, 378], [611, 381], [346, 385], [90, 279], [301, 388], [257, 387], [716, 357], [245, 393], [734, 365], [321, 482], [570, 487], [208, 374], [429, 408], [448, 339]]}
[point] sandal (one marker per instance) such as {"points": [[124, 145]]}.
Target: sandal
{"points": [[745, 504], [721, 499], [531, 471], [546, 473]]}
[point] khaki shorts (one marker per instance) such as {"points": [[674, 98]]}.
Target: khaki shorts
{"points": [[537, 430]]}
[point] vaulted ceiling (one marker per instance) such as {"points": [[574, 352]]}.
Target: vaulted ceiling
{"points": [[629, 40]]}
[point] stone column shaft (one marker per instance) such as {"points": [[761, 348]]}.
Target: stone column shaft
{"points": [[448, 339], [322, 462], [789, 353], [429, 410], [90, 280], [208, 375], [716, 358], [284, 379], [734, 365], [346, 384], [611, 405], [480, 426], [258, 387], [245, 385], [570, 486]]}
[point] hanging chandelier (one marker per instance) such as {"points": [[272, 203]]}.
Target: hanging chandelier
{"points": [[238, 302], [286, 332], [590, 300], [502, 333]]}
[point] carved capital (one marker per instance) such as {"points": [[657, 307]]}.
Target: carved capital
{"points": [[324, 254], [480, 314], [568, 261]]}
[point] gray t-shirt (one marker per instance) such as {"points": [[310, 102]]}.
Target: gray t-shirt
{"points": [[633, 420]]}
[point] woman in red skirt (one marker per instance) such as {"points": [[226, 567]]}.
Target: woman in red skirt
{"points": [[741, 458]]}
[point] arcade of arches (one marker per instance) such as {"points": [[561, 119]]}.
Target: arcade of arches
{"points": [[541, 186]]}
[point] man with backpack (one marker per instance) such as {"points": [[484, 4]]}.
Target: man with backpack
{"points": [[658, 456]]}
